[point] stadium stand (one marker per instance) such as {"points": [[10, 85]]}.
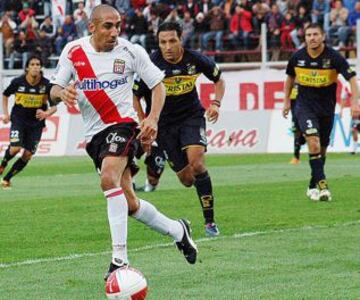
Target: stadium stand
{"points": [[224, 29]]}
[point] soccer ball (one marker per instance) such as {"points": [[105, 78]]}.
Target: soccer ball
{"points": [[126, 284]]}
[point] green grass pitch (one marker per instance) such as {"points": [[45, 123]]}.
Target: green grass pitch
{"points": [[274, 243]]}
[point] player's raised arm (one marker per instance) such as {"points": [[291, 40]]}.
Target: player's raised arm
{"points": [[289, 84], [355, 109]]}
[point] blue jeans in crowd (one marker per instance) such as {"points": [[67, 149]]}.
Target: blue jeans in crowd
{"points": [[211, 35], [24, 56]]}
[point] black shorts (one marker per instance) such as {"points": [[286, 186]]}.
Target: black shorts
{"points": [[175, 139], [355, 124], [24, 136], [155, 162], [314, 124], [116, 140]]}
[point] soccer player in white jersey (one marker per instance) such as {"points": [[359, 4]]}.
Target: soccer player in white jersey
{"points": [[103, 66]]}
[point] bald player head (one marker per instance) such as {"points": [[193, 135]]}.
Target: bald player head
{"points": [[105, 26]]}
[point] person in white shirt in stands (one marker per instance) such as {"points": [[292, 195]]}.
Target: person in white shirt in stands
{"points": [[103, 66], [81, 19]]}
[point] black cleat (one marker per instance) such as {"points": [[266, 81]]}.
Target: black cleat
{"points": [[187, 245], [115, 264]]}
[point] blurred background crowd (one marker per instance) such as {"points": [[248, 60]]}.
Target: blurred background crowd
{"points": [[45, 26]]}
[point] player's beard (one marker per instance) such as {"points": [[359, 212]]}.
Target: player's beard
{"points": [[175, 56], [316, 47]]}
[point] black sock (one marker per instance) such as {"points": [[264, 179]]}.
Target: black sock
{"points": [[312, 183], [297, 147], [204, 190], [324, 160], [302, 140], [317, 170], [7, 157], [16, 168]]}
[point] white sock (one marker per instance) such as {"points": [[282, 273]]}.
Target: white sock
{"points": [[117, 209], [147, 183], [150, 216], [148, 187], [355, 144]]}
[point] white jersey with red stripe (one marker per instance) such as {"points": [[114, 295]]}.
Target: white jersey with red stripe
{"points": [[104, 81]]}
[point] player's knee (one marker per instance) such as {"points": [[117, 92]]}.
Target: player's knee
{"points": [[26, 156], [314, 148], [313, 144], [187, 180], [14, 150], [187, 183], [107, 181], [198, 167], [186, 176]]}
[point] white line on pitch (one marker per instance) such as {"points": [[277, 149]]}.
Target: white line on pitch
{"points": [[163, 245]]}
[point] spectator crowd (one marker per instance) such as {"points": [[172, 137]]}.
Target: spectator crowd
{"points": [[218, 25]]}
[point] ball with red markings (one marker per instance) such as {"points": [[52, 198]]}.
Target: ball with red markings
{"points": [[126, 284]]}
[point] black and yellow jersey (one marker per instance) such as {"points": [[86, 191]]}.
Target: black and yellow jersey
{"points": [[182, 100], [28, 98], [317, 78]]}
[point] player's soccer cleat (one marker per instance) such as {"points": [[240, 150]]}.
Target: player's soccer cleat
{"points": [[2, 170], [187, 245], [6, 185], [211, 229], [313, 194], [115, 264], [294, 161], [325, 195], [352, 153], [149, 187]]}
